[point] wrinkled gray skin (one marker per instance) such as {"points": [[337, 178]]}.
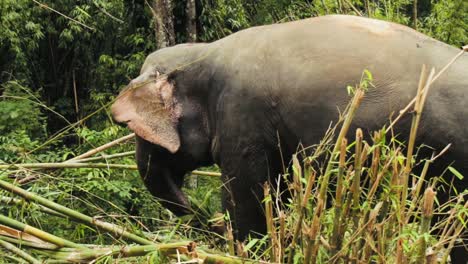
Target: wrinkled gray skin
{"points": [[232, 101]]}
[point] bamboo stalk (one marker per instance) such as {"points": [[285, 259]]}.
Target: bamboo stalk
{"points": [[423, 89], [302, 207], [371, 234], [68, 166], [206, 173], [381, 246], [362, 228], [345, 215], [356, 190], [297, 182], [322, 196], [78, 165], [116, 230], [310, 246], [452, 215], [356, 193], [27, 243], [353, 7], [82, 255], [19, 252], [269, 222], [172, 250], [37, 232], [417, 188], [375, 185], [459, 227], [427, 212], [10, 200], [373, 172], [314, 241], [344, 130], [65, 16], [357, 177], [230, 238], [107, 157], [101, 148], [335, 239], [75, 97], [281, 235]]}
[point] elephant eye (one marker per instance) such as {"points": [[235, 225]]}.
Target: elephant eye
{"points": [[155, 75]]}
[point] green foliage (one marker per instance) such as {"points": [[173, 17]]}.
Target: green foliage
{"points": [[220, 18], [19, 36], [91, 50], [20, 111], [448, 22]]}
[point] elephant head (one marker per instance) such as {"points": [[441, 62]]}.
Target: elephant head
{"points": [[171, 127]]}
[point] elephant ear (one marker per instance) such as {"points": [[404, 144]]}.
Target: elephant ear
{"points": [[149, 108]]}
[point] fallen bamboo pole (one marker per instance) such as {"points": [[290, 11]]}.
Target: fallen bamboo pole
{"points": [[172, 250], [37, 232], [19, 252], [78, 165], [106, 157], [68, 166], [9, 200], [101, 148], [28, 243], [115, 229], [206, 173]]}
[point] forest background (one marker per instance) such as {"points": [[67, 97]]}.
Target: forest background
{"points": [[63, 61]]}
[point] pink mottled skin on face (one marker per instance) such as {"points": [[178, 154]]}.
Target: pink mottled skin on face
{"points": [[150, 110]]}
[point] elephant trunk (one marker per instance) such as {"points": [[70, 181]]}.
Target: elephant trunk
{"points": [[163, 181], [170, 194]]}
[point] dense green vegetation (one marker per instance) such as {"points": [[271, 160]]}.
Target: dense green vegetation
{"points": [[62, 62]]}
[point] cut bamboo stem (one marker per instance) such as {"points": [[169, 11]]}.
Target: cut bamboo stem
{"points": [[301, 212], [28, 243], [423, 89], [356, 189], [206, 173], [335, 239], [427, 212], [114, 229], [37, 232], [172, 250], [19, 252], [322, 195], [416, 190], [362, 228], [269, 222]]}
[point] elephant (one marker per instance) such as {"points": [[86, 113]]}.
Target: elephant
{"points": [[246, 101]]}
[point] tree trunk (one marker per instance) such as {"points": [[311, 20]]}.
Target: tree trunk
{"points": [[163, 23], [191, 12], [415, 14], [368, 9]]}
